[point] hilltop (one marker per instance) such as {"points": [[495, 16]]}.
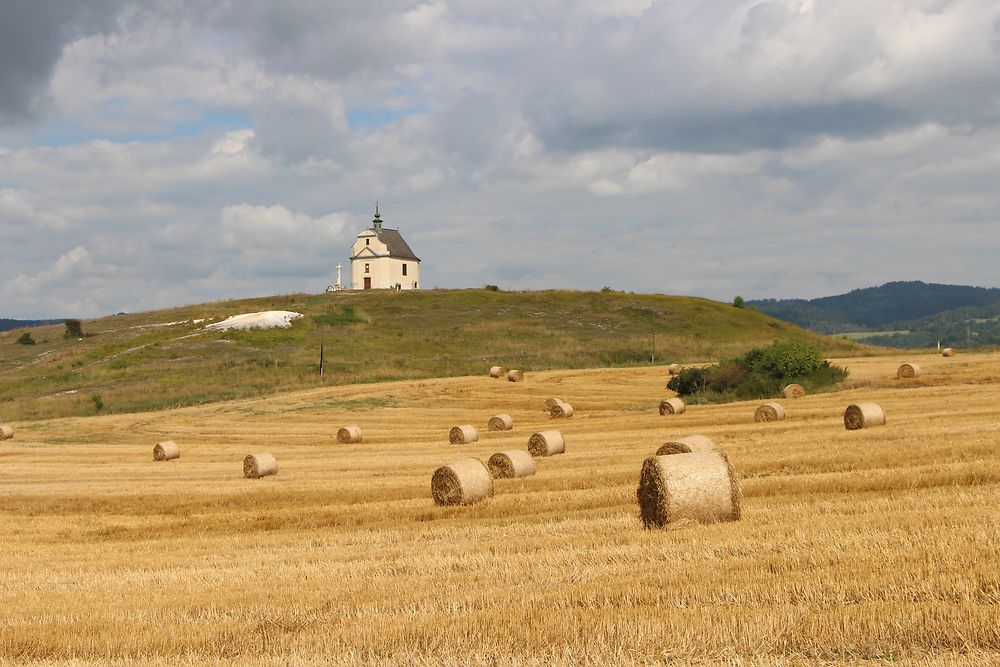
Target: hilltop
{"points": [[892, 306], [166, 358]]}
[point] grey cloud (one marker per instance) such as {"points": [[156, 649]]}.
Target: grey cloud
{"points": [[32, 37]]}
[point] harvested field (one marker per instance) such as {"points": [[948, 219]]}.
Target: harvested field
{"points": [[877, 545]]}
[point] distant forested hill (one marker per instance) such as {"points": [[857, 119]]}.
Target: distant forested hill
{"points": [[962, 327], [8, 324], [886, 307]]}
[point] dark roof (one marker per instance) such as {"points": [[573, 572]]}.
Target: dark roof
{"points": [[393, 240]]}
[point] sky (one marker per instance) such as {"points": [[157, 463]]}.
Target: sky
{"points": [[171, 152]]}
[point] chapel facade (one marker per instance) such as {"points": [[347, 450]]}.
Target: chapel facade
{"points": [[381, 259]]}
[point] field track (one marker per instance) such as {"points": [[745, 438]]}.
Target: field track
{"points": [[877, 545]]}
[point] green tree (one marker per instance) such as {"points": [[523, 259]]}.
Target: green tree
{"points": [[26, 339], [738, 301], [73, 329]]}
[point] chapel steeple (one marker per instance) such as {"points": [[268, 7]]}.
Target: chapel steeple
{"points": [[377, 222]]}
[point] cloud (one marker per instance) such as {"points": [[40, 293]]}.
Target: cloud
{"points": [[32, 37], [199, 149]]}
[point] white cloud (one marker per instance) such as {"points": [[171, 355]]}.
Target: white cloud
{"points": [[195, 150]]}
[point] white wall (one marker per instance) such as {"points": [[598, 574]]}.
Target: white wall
{"points": [[385, 273]]}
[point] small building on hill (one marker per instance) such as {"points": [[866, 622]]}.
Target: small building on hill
{"points": [[381, 259]]}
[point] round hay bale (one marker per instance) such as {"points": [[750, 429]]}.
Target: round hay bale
{"points": [[793, 391], [349, 434], [863, 415], [561, 410], [769, 412], [546, 443], [948, 352], [497, 371], [699, 486], [258, 465], [166, 451], [551, 403], [686, 445], [461, 483], [511, 463], [6, 432], [515, 375], [672, 406], [674, 369], [463, 435], [907, 371], [500, 423]]}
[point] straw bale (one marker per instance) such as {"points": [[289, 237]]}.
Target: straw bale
{"points": [[948, 352], [497, 371], [502, 422], [908, 371], [674, 369], [349, 434], [463, 435], [260, 464], [863, 415], [686, 445], [551, 403], [6, 432], [561, 410], [515, 375], [166, 450], [672, 406], [769, 412], [511, 463], [546, 443], [461, 483], [700, 486], [793, 391]]}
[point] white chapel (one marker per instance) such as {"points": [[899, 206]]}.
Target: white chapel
{"points": [[381, 259]]}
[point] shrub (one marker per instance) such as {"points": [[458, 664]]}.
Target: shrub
{"points": [[26, 339], [493, 288], [738, 301], [98, 402], [785, 359], [760, 373], [689, 381], [73, 329]]}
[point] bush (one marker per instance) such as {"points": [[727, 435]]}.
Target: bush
{"points": [[73, 329], [26, 339], [689, 381], [98, 402], [786, 359], [760, 373], [492, 288], [738, 301]]}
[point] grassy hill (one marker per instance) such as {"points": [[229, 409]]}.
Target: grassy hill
{"points": [[166, 358], [877, 308]]}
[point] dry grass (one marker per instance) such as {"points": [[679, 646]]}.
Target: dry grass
{"points": [[877, 545]]}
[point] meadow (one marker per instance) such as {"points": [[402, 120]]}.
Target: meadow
{"points": [[879, 546], [166, 359]]}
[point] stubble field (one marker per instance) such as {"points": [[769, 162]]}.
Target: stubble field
{"points": [[878, 545]]}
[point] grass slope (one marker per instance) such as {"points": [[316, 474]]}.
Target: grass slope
{"points": [[164, 359]]}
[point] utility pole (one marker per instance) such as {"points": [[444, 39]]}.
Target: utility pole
{"points": [[322, 341], [652, 357]]}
